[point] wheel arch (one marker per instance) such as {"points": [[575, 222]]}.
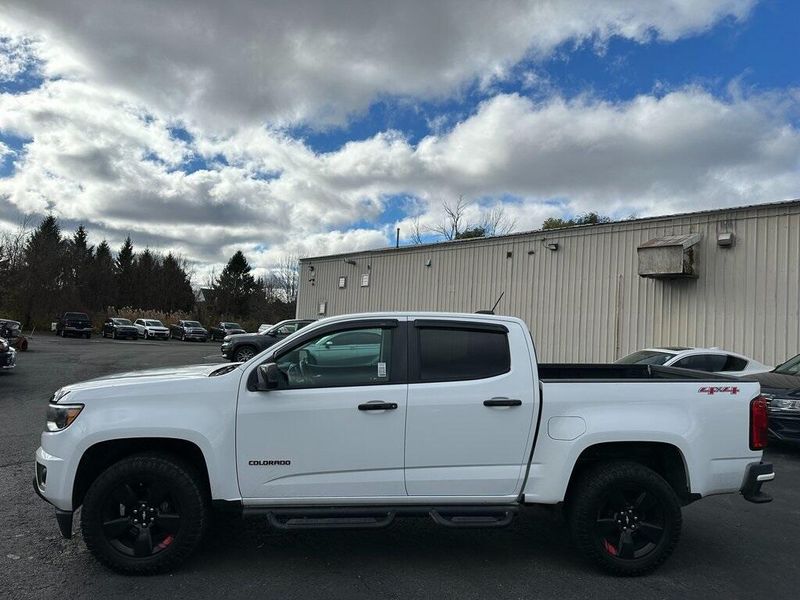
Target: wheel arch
{"points": [[102, 455], [662, 457]]}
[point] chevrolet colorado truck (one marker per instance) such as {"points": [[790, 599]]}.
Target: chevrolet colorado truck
{"points": [[356, 420]]}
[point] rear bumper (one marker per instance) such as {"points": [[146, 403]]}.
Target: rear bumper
{"points": [[756, 475]]}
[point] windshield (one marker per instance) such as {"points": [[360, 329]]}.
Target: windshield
{"points": [[645, 357], [790, 367], [81, 316], [122, 321], [232, 326], [192, 324], [153, 323]]}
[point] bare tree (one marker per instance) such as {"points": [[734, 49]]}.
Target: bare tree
{"points": [[497, 222], [286, 278], [454, 223], [416, 232]]}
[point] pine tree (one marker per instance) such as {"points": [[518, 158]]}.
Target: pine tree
{"points": [[235, 287], [103, 282], [45, 274], [124, 274]]}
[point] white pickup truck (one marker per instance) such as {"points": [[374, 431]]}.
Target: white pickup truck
{"points": [[356, 420]]}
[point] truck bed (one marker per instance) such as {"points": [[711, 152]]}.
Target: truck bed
{"points": [[564, 372]]}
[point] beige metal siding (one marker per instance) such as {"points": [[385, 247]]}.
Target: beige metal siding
{"points": [[585, 302]]}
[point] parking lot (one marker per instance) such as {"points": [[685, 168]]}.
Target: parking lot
{"points": [[729, 548]]}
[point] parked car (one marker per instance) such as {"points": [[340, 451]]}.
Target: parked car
{"points": [[12, 332], [781, 387], [244, 346], [223, 328], [264, 327], [119, 328], [151, 329], [447, 415], [188, 330], [710, 360], [74, 323], [8, 355]]}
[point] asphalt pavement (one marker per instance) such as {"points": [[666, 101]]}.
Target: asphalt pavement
{"points": [[729, 548]]}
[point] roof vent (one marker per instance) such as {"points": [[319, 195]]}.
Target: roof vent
{"points": [[669, 257]]}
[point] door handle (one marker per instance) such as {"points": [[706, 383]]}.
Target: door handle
{"points": [[378, 406], [502, 402]]}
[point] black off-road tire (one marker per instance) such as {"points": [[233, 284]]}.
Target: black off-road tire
{"points": [[589, 507], [185, 491]]}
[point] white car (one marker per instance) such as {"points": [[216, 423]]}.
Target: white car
{"points": [[360, 419], [265, 327], [710, 360], [151, 329]]}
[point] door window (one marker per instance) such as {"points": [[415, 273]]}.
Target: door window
{"points": [[352, 357], [462, 354]]}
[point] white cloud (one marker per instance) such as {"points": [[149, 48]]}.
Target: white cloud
{"points": [[223, 66]]}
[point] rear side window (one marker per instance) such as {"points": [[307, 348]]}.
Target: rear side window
{"points": [[734, 363], [460, 354], [711, 363]]}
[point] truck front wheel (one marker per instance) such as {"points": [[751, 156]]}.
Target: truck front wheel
{"points": [[145, 514], [625, 517]]}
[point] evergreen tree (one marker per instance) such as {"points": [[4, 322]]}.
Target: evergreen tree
{"points": [[81, 261], [124, 274], [103, 283], [45, 274], [145, 279], [235, 287]]}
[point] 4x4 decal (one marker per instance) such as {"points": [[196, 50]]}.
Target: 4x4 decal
{"points": [[726, 389]]}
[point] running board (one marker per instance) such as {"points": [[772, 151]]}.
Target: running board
{"points": [[356, 517]]}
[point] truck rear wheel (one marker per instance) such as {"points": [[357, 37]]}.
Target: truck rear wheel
{"points": [[625, 517], [145, 514]]}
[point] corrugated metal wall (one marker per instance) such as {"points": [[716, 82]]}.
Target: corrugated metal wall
{"points": [[585, 302]]}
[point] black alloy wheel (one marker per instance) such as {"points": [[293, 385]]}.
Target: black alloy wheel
{"points": [[144, 514], [625, 517]]}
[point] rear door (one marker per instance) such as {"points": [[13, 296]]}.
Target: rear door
{"points": [[471, 406]]}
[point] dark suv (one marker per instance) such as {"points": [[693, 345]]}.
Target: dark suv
{"points": [[243, 347], [74, 323], [119, 328], [223, 328], [188, 330], [781, 386]]}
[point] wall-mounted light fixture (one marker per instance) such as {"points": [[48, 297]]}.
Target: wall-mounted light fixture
{"points": [[349, 261], [311, 268], [428, 263], [725, 240], [553, 246]]}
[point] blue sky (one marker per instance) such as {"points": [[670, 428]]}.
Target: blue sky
{"points": [[536, 110]]}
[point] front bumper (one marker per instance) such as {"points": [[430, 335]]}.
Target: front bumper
{"points": [[158, 335], [8, 360], [49, 483], [784, 426], [756, 475], [127, 333], [195, 336]]}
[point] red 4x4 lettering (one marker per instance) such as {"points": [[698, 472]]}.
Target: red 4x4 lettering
{"points": [[711, 390]]}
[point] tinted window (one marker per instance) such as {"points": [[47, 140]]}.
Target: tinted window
{"points": [[711, 363], [320, 364], [76, 316], [790, 367], [645, 357], [452, 354], [121, 321], [734, 363]]}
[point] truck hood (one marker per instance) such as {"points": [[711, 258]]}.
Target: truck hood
{"points": [[151, 376], [244, 337]]}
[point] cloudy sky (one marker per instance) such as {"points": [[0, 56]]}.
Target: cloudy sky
{"points": [[310, 127]]}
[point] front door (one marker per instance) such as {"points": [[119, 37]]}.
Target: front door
{"points": [[335, 426]]}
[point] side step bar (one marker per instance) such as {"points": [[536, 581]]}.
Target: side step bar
{"points": [[354, 517]]}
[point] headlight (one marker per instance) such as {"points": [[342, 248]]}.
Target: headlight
{"points": [[781, 404], [4, 345], [61, 416]]}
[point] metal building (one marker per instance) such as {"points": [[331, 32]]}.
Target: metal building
{"points": [[728, 278]]}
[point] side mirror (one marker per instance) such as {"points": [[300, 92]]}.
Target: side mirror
{"points": [[269, 377]]}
